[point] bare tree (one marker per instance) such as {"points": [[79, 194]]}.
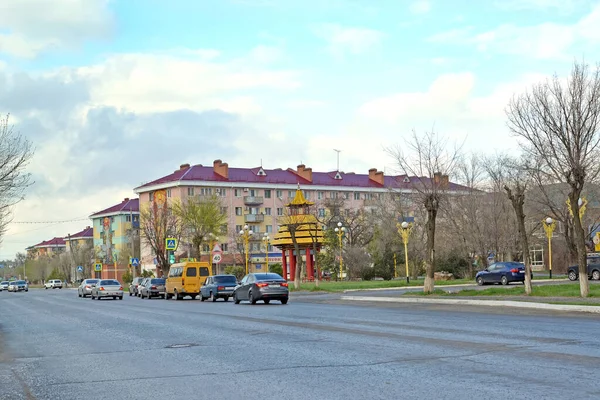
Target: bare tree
{"points": [[15, 154], [427, 160], [559, 125], [294, 223], [157, 223]]}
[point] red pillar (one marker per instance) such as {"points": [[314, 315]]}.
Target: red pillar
{"points": [[310, 272], [292, 266], [284, 264]]}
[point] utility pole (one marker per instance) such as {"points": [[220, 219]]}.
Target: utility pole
{"points": [[338, 159], [131, 238]]}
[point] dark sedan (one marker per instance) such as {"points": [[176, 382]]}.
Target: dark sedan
{"points": [[265, 287], [218, 286], [502, 272]]}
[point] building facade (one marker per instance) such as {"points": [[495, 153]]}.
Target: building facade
{"points": [[47, 248], [257, 197], [80, 239]]}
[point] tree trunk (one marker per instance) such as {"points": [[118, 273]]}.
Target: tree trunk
{"points": [[432, 209], [517, 199], [316, 265], [298, 273], [570, 242], [584, 285]]}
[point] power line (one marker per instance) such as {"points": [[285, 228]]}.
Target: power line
{"points": [[50, 222]]}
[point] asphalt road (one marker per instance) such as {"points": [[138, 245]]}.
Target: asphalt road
{"points": [[57, 346]]}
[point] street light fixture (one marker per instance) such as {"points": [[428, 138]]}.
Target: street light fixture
{"points": [[405, 229], [266, 239], [549, 226], [340, 230], [245, 234], [211, 238]]}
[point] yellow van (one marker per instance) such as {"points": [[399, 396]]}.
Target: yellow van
{"points": [[186, 278]]}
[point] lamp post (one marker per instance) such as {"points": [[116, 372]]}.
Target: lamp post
{"points": [[266, 239], [245, 234], [211, 239], [395, 269], [340, 230], [549, 226], [405, 229]]}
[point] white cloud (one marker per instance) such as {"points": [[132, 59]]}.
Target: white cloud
{"points": [[542, 41], [562, 6], [351, 40], [33, 26], [420, 7]]}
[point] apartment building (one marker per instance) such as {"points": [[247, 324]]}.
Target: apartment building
{"points": [[257, 196], [79, 239], [47, 248]]}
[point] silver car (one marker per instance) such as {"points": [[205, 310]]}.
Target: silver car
{"points": [[4, 285], [18, 286], [107, 288], [85, 289]]}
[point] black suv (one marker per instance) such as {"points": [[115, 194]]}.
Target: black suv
{"points": [[593, 268]]}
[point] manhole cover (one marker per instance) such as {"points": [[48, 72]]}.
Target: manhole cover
{"points": [[180, 346]]}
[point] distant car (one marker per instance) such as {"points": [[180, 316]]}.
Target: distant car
{"points": [[85, 288], [593, 268], [502, 272], [18, 286], [218, 287], [265, 287], [53, 284], [138, 293], [133, 286], [154, 287], [4, 285], [107, 288]]}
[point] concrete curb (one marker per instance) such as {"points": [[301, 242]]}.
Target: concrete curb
{"points": [[441, 286], [493, 303]]}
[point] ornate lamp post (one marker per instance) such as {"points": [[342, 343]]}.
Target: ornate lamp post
{"points": [[245, 234], [340, 230], [266, 239], [549, 226], [211, 238], [405, 229]]}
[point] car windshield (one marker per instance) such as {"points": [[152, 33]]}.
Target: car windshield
{"points": [[225, 279], [5, 283], [110, 283], [21, 282], [264, 277], [157, 281]]}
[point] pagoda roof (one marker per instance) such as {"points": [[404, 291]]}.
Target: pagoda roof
{"points": [[299, 200]]}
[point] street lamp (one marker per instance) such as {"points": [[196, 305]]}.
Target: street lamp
{"points": [[549, 226], [266, 240], [211, 239], [405, 229], [340, 230], [245, 234]]}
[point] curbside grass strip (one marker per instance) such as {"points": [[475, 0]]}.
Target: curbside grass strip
{"points": [[492, 303], [392, 288]]}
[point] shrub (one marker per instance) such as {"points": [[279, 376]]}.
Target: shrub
{"points": [[239, 272], [276, 269], [127, 277], [456, 264]]}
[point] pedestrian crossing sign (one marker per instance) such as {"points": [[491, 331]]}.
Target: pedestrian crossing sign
{"points": [[98, 267], [171, 243]]}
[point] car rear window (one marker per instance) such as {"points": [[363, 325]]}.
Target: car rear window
{"points": [[157, 281], [92, 281], [110, 283], [225, 279], [261, 277], [192, 271]]}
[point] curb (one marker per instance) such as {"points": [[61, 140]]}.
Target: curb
{"points": [[489, 303], [441, 286]]}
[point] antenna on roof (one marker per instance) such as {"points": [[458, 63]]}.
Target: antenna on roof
{"points": [[261, 162], [338, 159]]}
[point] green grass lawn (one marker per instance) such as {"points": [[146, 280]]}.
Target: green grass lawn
{"points": [[566, 290], [333, 286]]}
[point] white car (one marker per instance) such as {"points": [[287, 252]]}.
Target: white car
{"points": [[107, 288], [53, 284], [4, 285]]}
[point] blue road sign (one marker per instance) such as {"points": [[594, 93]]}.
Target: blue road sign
{"points": [[135, 262], [171, 243], [79, 268], [1, 265]]}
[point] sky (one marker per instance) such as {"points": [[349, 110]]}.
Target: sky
{"points": [[115, 93]]}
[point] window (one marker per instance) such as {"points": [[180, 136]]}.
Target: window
{"points": [[190, 191], [256, 229], [253, 210], [205, 247], [240, 248], [168, 192], [268, 210], [151, 196], [356, 196], [254, 246], [333, 195], [238, 211], [537, 256], [225, 279], [206, 191], [223, 229], [136, 218], [269, 228], [191, 271], [267, 193], [254, 193], [380, 196], [224, 246], [128, 218], [237, 192], [321, 212], [290, 193], [306, 194], [224, 210], [280, 211], [222, 192], [279, 194], [319, 195], [346, 195]]}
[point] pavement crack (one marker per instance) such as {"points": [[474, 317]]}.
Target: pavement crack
{"points": [[26, 389]]}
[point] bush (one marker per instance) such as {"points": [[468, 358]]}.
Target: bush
{"points": [[456, 264], [147, 274], [127, 277], [56, 274], [239, 272], [276, 269]]}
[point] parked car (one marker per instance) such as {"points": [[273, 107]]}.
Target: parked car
{"points": [[107, 288], [85, 288], [133, 286], [142, 283], [18, 286], [53, 284], [502, 272], [218, 287], [265, 287], [4, 285], [154, 287], [593, 268]]}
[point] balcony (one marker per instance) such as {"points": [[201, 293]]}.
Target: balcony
{"points": [[253, 200], [254, 218]]}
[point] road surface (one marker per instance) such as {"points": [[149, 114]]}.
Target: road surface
{"points": [[54, 345]]}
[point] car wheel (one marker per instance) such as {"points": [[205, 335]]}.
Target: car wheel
{"points": [[226, 299], [235, 299], [596, 275], [213, 297], [572, 276], [78, 294], [480, 281], [267, 301], [284, 301], [114, 297], [92, 296], [46, 287], [149, 297], [504, 280], [120, 297], [251, 297], [202, 298], [130, 294]]}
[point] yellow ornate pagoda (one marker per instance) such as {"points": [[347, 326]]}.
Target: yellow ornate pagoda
{"points": [[307, 231]]}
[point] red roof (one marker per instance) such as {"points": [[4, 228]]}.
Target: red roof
{"points": [[56, 242], [126, 206], [87, 233], [288, 176]]}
